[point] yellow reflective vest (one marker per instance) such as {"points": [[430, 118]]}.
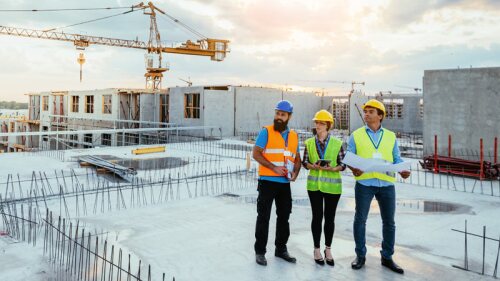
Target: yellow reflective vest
{"points": [[324, 181], [365, 148]]}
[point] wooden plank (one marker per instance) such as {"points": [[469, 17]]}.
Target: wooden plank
{"points": [[147, 150]]}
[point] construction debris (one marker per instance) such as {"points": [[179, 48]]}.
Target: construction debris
{"points": [[124, 172]]}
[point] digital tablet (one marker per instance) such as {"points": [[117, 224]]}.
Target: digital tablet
{"points": [[323, 162]]}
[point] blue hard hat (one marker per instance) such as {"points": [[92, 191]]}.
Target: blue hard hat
{"points": [[284, 105]]}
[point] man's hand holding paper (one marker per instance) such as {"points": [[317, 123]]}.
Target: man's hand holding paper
{"points": [[374, 165]]}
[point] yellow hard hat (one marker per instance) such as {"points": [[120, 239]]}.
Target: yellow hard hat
{"points": [[323, 115], [375, 104]]}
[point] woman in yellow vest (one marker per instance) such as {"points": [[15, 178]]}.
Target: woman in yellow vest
{"points": [[322, 157]]}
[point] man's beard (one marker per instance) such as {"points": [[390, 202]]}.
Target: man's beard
{"points": [[279, 125]]}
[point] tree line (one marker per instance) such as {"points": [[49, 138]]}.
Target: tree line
{"points": [[13, 105]]}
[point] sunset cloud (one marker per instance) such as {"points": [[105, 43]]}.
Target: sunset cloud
{"points": [[278, 42]]}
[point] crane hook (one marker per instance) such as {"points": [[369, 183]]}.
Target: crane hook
{"points": [[81, 61]]}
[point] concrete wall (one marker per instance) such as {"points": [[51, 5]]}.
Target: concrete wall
{"points": [[305, 106], [357, 99], [176, 106], [219, 111], [98, 104], [255, 107], [150, 107], [463, 103], [411, 121], [243, 109]]}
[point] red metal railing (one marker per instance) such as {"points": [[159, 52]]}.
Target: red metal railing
{"points": [[478, 169]]}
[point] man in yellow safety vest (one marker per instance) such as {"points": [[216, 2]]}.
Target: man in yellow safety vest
{"points": [[374, 141]]}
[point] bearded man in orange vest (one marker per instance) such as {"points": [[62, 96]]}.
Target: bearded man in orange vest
{"points": [[277, 151]]}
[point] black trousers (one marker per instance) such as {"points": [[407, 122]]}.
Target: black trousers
{"points": [[280, 193], [317, 198]]}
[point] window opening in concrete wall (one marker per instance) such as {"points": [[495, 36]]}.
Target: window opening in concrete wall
{"points": [[192, 105], [119, 139], [164, 104], [137, 108], [73, 140], [45, 137], [21, 139], [106, 139], [75, 102], [106, 104], [399, 108], [89, 104], [87, 139], [45, 103], [131, 138], [389, 108]]}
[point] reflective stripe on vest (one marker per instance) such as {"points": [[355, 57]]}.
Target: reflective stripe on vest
{"points": [[279, 151], [276, 150], [324, 181], [366, 149], [270, 151]]}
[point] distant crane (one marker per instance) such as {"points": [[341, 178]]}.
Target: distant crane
{"points": [[356, 83], [188, 81], [337, 82], [382, 93], [216, 49], [417, 90]]}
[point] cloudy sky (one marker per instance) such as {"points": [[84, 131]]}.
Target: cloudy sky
{"points": [[282, 43]]}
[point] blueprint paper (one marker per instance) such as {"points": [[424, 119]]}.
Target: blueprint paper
{"points": [[374, 165]]}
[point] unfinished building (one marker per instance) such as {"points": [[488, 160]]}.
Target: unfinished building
{"points": [[92, 110], [238, 110], [405, 112], [11, 122], [462, 104], [213, 111]]}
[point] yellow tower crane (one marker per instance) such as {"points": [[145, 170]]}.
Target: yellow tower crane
{"points": [[216, 49]]}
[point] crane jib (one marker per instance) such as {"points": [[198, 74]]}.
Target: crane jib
{"points": [[216, 49]]}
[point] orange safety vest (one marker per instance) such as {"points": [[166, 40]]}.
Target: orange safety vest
{"points": [[277, 152]]}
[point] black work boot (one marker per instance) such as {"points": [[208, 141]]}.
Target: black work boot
{"points": [[260, 259], [358, 262], [285, 255], [389, 263]]}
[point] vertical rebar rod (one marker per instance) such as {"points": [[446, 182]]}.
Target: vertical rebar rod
{"points": [[484, 247]]}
